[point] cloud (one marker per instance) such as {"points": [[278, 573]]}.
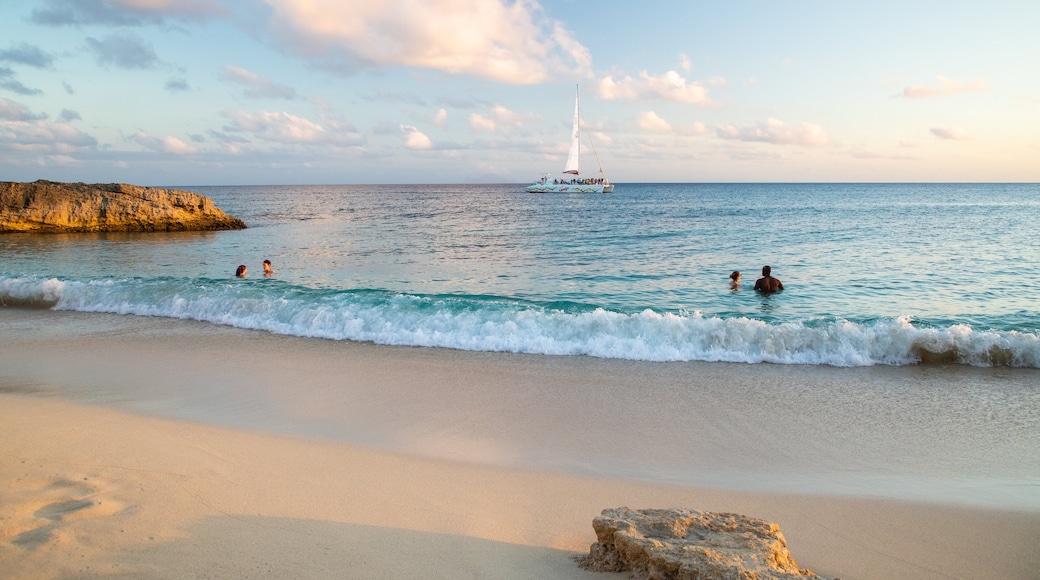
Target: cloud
{"points": [[126, 50], [440, 118], [27, 54], [8, 82], [258, 86], [684, 62], [282, 127], [123, 12], [693, 130], [171, 145], [23, 130], [650, 121], [67, 115], [509, 42], [507, 118], [12, 111], [670, 86], [177, 85], [946, 87], [481, 123], [778, 133], [415, 139], [951, 133]]}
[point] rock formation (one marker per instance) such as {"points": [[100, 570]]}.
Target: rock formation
{"points": [[683, 544], [48, 207]]}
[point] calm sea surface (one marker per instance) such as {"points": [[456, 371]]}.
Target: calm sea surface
{"points": [[874, 273]]}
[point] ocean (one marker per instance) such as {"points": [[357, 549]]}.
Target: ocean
{"points": [[874, 274]]}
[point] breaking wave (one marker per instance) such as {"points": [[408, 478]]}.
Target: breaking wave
{"points": [[488, 323]]}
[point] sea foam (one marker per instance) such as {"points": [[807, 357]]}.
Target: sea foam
{"points": [[484, 323]]}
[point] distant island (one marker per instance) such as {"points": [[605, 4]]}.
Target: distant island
{"points": [[52, 207]]}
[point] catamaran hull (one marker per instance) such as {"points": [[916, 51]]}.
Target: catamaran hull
{"points": [[568, 188]]}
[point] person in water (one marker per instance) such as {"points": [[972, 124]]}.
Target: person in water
{"points": [[267, 269], [767, 284], [241, 271], [734, 280]]}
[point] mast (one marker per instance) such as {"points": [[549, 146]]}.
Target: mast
{"points": [[574, 157]]}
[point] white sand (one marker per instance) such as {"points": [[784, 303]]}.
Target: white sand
{"points": [[91, 490]]}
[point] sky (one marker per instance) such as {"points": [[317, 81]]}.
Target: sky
{"points": [[250, 92]]}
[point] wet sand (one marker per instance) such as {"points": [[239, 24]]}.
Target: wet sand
{"points": [[166, 449]]}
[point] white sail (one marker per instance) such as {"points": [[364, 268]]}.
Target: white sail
{"points": [[574, 157]]}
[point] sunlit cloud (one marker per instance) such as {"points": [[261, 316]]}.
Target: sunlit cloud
{"points": [[693, 130], [481, 123], [670, 86], [951, 133], [12, 111], [123, 50], [258, 86], [684, 63], [168, 144], [440, 118], [510, 42], [777, 132], [414, 138], [652, 122], [945, 87], [283, 127]]}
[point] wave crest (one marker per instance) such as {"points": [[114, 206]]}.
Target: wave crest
{"points": [[498, 324]]}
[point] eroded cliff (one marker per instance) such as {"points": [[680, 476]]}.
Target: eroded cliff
{"points": [[50, 207]]}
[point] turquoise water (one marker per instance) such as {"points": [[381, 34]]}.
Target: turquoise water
{"points": [[874, 273]]}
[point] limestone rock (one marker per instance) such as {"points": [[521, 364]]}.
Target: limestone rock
{"points": [[48, 207], [682, 544]]}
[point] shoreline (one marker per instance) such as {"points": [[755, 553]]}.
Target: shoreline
{"points": [[97, 491]]}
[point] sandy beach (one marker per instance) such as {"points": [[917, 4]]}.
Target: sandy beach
{"points": [[141, 448]]}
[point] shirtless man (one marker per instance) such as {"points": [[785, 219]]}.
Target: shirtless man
{"points": [[768, 284]]}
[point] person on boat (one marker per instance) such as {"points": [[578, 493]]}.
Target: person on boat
{"points": [[241, 271], [767, 284], [734, 280], [267, 269]]}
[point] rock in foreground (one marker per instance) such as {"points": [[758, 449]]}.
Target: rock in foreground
{"points": [[683, 544], [49, 207]]}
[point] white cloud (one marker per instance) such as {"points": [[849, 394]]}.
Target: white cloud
{"points": [[946, 87], [670, 86], [414, 138], [282, 127], [23, 130], [778, 133], [693, 130], [650, 121], [258, 86], [951, 133], [440, 118], [168, 144], [684, 62], [481, 123], [510, 42]]}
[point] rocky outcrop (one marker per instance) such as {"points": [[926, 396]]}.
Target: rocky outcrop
{"points": [[684, 544], [48, 207]]}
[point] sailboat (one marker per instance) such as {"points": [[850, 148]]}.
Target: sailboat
{"points": [[572, 182]]}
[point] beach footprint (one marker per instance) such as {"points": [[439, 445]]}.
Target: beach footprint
{"points": [[36, 511]]}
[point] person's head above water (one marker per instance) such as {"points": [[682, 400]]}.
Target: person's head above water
{"points": [[766, 270], [241, 271]]}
